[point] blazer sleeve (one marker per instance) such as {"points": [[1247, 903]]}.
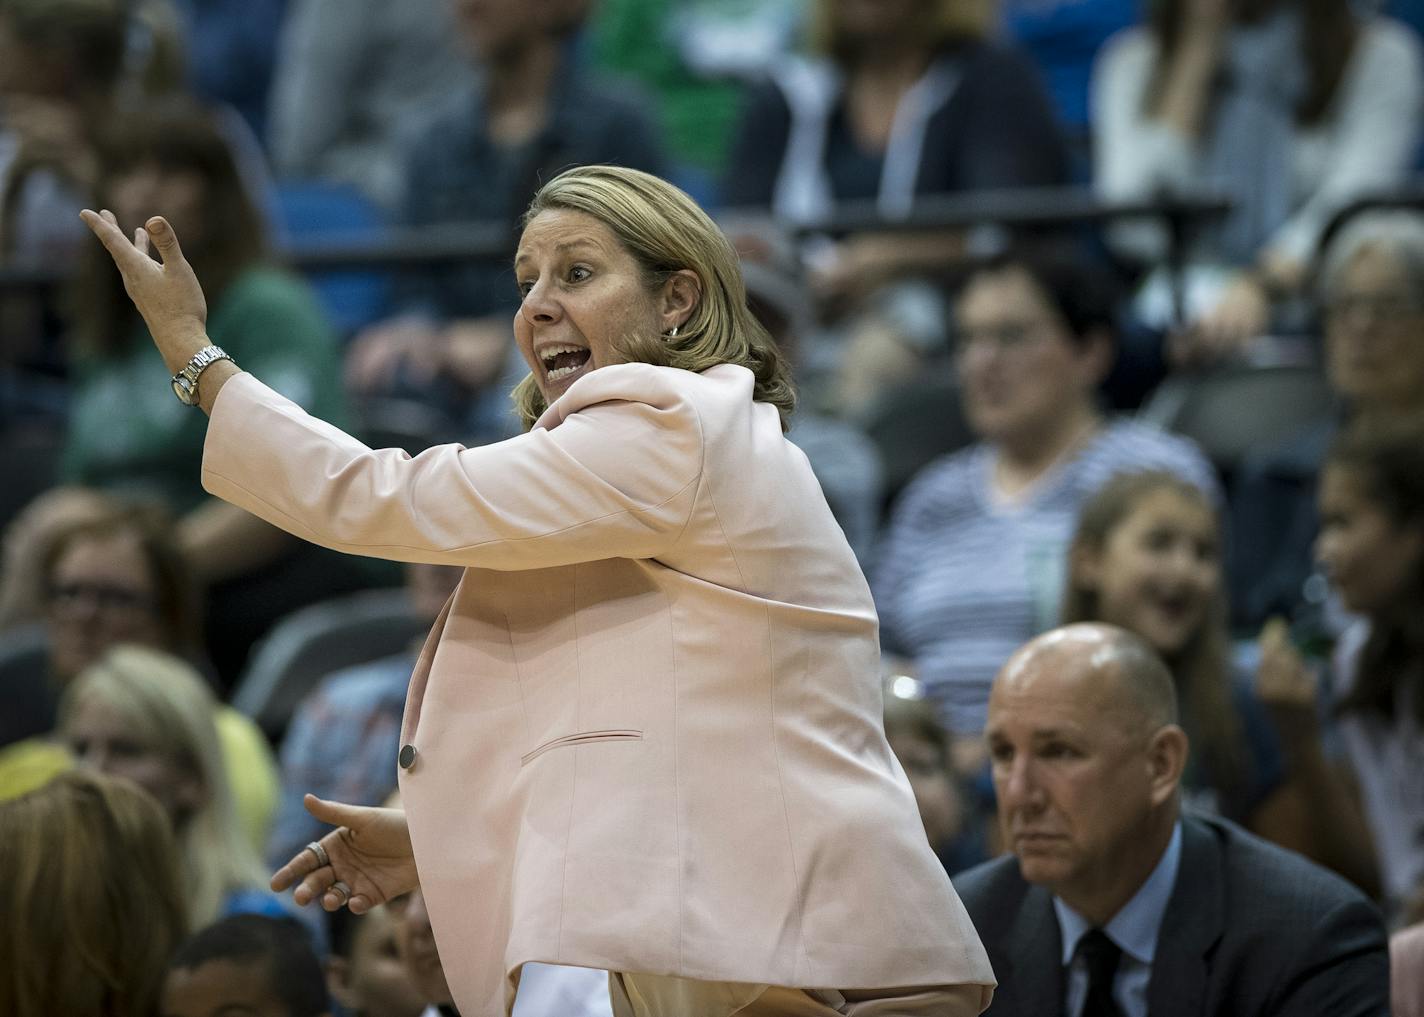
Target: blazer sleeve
{"points": [[616, 478]]}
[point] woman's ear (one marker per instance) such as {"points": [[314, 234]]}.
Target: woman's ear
{"points": [[681, 294]]}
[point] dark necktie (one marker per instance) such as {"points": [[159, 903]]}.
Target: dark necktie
{"points": [[1100, 956]]}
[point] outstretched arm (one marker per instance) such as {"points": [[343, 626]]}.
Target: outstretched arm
{"points": [[618, 477], [166, 293]]}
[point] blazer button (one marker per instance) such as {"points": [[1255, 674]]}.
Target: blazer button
{"points": [[407, 756]]}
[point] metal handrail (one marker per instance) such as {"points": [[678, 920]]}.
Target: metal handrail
{"points": [[406, 248], [1409, 195]]}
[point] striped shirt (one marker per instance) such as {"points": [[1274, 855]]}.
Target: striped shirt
{"points": [[964, 579]]}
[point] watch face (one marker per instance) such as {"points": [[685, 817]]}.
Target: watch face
{"points": [[183, 391]]}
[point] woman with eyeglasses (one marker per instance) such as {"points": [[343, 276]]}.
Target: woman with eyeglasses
{"points": [[973, 561], [119, 577], [1371, 295]]}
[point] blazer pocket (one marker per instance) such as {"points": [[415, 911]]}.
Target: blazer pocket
{"points": [[582, 738]]}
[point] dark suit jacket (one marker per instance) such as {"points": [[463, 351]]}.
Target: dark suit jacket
{"points": [[1251, 930]]}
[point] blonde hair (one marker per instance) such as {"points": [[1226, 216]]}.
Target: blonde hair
{"points": [[167, 706], [1202, 670], [666, 232], [91, 899], [942, 23]]}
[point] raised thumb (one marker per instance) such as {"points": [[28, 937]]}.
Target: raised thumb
{"points": [[163, 236], [334, 813]]}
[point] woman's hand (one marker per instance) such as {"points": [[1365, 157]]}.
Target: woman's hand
{"points": [[369, 852], [1285, 683], [383, 353], [166, 293], [1242, 314]]}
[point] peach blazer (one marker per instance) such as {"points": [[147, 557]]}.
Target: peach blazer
{"points": [[647, 726]]}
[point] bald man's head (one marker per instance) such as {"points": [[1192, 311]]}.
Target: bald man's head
{"points": [[1111, 664], [1086, 757]]}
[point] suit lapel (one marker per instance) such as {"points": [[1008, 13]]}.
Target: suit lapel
{"points": [[1033, 967], [1191, 926]]}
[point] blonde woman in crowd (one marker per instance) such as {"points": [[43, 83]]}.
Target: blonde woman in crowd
{"points": [[91, 901], [148, 716]]}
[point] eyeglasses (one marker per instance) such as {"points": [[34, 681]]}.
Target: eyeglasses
{"points": [[1348, 307], [104, 596]]}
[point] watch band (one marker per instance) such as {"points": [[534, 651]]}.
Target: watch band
{"points": [[185, 382]]}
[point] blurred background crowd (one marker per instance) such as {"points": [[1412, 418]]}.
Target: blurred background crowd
{"points": [[1100, 310]]}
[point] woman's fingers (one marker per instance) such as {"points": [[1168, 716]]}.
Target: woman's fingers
{"points": [[1275, 634], [165, 239], [125, 252], [302, 864], [314, 885], [359, 904], [106, 228], [290, 873], [334, 813]]}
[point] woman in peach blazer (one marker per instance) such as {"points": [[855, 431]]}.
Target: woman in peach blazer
{"points": [[645, 733]]}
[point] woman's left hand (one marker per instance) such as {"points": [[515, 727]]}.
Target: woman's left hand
{"points": [[368, 855], [1285, 683], [166, 293]]}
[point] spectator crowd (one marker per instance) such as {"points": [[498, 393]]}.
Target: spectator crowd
{"points": [[1140, 498]]}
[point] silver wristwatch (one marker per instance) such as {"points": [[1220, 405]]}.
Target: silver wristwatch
{"points": [[185, 382]]}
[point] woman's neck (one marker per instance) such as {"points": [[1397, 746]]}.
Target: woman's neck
{"points": [[517, 91], [877, 82], [1022, 460], [889, 63]]}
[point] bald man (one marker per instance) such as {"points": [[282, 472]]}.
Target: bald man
{"points": [[1115, 904]]}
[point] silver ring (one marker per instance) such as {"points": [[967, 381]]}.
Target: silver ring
{"points": [[319, 853], [341, 888]]}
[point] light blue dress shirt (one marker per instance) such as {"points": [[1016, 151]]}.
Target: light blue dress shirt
{"points": [[1134, 929]]}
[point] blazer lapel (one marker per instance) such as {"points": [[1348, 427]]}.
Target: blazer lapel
{"points": [[415, 693], [1031, 979], [1191, 926]]}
